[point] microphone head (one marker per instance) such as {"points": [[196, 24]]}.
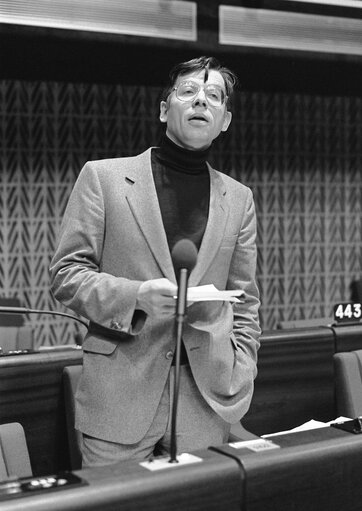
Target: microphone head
{"points": [[184, 255]]}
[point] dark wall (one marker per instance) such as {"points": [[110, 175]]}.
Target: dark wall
{"points": [[30, 53]]}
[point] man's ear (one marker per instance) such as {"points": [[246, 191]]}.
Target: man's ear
{"points": [[227, 120], [163, 111]]}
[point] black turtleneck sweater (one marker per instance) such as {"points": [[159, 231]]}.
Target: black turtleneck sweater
{"points": [[183, 188]]}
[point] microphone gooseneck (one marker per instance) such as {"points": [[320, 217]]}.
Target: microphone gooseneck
{"points": [[24, 310]]}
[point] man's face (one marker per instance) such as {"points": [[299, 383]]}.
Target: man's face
{"points": [[195, 123]]}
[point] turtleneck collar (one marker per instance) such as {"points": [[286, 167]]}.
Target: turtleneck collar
{"points": [[180, 159]]}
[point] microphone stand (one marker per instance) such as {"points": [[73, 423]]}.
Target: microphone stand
{"points": [[180, 316]]}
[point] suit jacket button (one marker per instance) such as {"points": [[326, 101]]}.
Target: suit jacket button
{"points": [[169, 355]]}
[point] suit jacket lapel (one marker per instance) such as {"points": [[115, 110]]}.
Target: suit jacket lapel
{"points": [[215, 227], [142, 198]]}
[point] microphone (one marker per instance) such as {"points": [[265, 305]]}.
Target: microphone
{"points": [[23, 310], [184, 257]]}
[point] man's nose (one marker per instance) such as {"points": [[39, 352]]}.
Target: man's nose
{"points": [[200, 99]]}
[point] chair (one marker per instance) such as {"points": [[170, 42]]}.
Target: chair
{"points": [[14, 456], [71, 375], [348, 383], [14, 333]]}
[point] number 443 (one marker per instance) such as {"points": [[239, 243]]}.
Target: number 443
{"points": [[347, 311]]}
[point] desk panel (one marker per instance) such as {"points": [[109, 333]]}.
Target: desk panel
{"points": [[295, 380], [348, 337], [31, 393]]}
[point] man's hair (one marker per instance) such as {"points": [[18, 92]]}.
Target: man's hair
{"points": [[199, 64]]}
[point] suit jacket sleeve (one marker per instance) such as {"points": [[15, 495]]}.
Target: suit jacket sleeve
{"points": [[76, 275]]}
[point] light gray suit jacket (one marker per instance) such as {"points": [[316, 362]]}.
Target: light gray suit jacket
{"points": [[111, 240]]}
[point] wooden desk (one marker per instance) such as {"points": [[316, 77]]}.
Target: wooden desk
{"points": [[213, 485], [316, 470], [295, 383]]}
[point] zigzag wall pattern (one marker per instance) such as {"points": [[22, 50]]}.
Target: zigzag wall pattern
{"points": [[302, 156]]}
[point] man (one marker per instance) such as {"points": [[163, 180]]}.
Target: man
{"points": [[113, 266]]}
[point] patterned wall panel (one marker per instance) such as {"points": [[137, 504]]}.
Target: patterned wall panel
{"points": [[300, 154], [302, 157]]}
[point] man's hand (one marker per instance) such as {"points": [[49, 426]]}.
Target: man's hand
{"points": [[156, 298]]}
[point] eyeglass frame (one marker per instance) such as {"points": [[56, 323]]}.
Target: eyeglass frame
{"points": [[225, 96]]}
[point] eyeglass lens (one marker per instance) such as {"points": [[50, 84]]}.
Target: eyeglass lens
{"points": [[187, 91]]}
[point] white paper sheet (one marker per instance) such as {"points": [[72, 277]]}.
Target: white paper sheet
{"points": [[211, 293], [312, 424]]}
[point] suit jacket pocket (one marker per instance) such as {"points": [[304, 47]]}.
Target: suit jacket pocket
{"points": [[100, 346]]}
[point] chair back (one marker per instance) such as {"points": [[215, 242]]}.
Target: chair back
{"points": [[348, 383], [14, 456], [15, 334]]}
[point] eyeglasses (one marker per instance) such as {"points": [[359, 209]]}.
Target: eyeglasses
{"points": [[188, 90]]}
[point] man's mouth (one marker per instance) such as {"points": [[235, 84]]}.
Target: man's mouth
{"points": [[198, 118]]}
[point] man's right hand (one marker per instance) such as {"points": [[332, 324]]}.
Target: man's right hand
{"points": [[156, 298]]}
